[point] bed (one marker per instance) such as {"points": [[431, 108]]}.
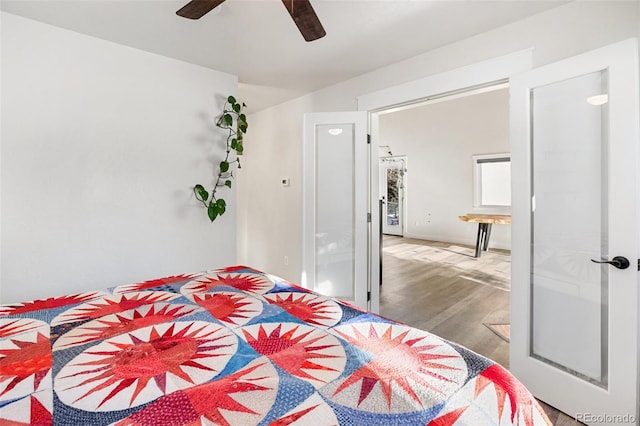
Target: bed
{"points": [[236, 346]]}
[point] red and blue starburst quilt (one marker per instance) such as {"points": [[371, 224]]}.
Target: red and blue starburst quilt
{"points": [[236, 346]]}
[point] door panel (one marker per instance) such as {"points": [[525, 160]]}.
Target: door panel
{"points": [[574, 127], [335, 205]]}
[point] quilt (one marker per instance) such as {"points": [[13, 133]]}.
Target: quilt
{"points": [[236, 346]]}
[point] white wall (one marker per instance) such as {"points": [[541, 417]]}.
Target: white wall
{"points": [[270, 218], [439, 140], [101, 145]]}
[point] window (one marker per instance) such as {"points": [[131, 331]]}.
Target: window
{"points": [[492, 180]]}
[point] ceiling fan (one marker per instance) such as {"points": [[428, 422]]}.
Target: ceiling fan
{"points": [[301, 11]]}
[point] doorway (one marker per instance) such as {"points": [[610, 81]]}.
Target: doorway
{"points": [[482, 74], [431, 277], [392, 188]]}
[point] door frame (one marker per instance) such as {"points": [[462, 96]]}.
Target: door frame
{"points": [[475, 76]]}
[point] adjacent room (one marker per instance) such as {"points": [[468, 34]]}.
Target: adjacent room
{"points": [[432, 276], [295, 212]]}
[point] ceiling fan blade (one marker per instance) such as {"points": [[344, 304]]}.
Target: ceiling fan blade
{"points": [[305, 18], [196, 9]]}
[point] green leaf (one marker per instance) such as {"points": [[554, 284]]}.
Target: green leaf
{"points": [[212, 211], [236, 107], [201, 193], [227, 183], [231, 100], [243, 127], [227, 119], [234, 143], [239, 148], [222, 206], [242, 118], [224, 166]]}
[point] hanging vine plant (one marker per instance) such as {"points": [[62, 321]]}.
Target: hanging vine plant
{"points": [[234, 121]]}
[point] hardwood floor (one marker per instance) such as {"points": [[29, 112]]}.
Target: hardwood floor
{"points": [[442, 288]]}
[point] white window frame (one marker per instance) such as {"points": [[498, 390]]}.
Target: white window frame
{"points": [[477, 180]]}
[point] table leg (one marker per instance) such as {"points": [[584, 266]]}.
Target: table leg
{"points": [[487, 234], [479, 240]]}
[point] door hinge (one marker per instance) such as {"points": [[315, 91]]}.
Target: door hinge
{"points": [[369, 219], [368, 296], [638, 264], [368, 138]]}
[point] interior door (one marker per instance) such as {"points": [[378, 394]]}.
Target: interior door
{"points": [[335, 212], [574, 339], [392, 195]]}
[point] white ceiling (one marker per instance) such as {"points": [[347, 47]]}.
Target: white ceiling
{"points": [[258, 41]]}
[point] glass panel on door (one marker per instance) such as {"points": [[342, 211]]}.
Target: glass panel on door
{"points": [[335, 220], [393, 201], [569, 226], [392, 171]]}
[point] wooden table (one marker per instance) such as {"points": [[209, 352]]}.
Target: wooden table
{"points": [[485, 221]]}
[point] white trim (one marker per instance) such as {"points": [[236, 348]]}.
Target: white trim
{"points": [[479, 74]]}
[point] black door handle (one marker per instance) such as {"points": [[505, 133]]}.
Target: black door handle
{"points": [[619, 262]]}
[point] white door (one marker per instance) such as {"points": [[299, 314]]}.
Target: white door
{"points": [[574, 338], [335, 205], [392, 171]]}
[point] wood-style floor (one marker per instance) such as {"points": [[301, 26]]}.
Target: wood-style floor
{"points": [[442, 288]]}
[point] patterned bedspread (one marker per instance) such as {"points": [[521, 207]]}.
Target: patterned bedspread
{"points": [[235, 346]]}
